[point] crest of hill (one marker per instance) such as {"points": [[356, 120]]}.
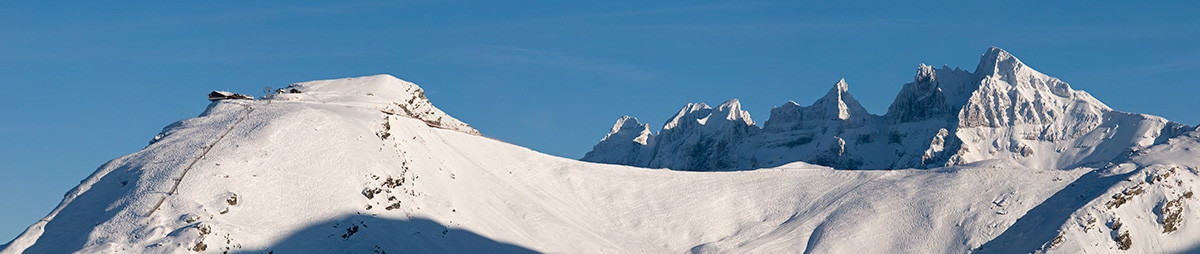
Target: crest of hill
{"points": [[388, 93]]}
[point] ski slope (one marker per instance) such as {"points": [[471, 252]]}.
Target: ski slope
{"points": [[363, 165]]}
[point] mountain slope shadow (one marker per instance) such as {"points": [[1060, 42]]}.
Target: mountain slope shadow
{"points": [[369, 234], [92, 207], [1040, 224]]}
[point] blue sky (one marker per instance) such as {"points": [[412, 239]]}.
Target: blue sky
{"points": [[88, 81]]}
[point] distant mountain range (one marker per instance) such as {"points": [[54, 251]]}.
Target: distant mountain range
{"points": [[944, 117]]}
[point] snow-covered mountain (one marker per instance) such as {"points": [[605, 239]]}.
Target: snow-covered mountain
{"points": [[945, 117], [368, 165]]}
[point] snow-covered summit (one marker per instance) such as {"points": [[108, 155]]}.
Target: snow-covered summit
{"points": [[628, 125], [690, 114], [997, 62], [838, 104], [731, 110], [625, 144], [1011, 93], [691, 139], [385, 92]]}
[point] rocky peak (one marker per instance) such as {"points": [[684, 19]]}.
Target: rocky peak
{"points": [[688, 115], [837, 104], [999, 64], [1010, 93], [628, 128], [996, 61], [731, 110], [625, 143], [700, 137], [919, 100], [784, 117], [836, 108]]}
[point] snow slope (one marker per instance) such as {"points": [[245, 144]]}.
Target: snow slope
{"points": [[332, 169], [1004, 109]]}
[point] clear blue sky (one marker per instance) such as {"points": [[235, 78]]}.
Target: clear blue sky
{"points": [[85, 82]]}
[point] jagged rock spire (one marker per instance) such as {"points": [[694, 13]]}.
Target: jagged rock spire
{"points": [[838, 104]]}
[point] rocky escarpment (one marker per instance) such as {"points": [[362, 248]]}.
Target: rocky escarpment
{"points": [[1003, 110]]}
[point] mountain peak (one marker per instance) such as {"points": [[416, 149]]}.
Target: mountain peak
{"points": [[838, 104], [623, 144], [628, 129], [998, 62], [1010, 93], [925, 74], [732, 110], [730, 103], [840, 86], [626, 123], [689, 113]]}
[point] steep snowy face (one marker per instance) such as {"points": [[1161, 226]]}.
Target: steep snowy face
{"points": [[625, 144], [1018, 112], [1003, 110], [1012, 94]]}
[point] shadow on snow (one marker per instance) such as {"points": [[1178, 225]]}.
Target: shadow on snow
{"points": [[1040, 225], [369, 234]]}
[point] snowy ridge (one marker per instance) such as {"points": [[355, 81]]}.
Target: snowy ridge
{"points": [[1004, 110], [327, 170], [390, 94]]}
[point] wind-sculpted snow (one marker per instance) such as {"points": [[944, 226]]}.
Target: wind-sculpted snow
{"points": [[341, 167], [1003, 110]]}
